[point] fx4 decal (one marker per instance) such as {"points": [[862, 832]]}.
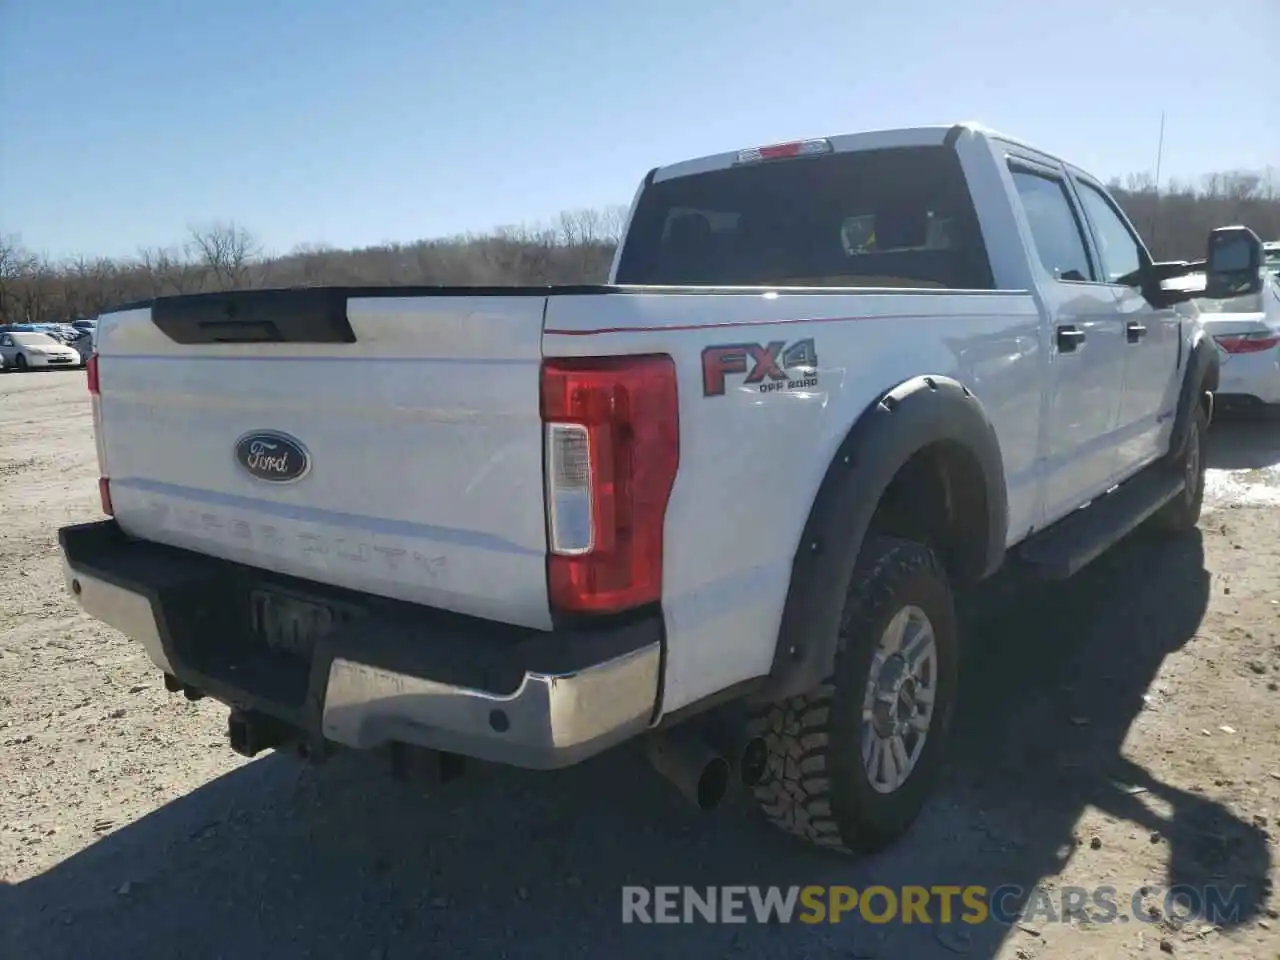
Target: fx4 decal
{"points": [[771, 366]]}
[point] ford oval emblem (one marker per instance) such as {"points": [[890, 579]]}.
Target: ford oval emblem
{"points": [[272, 456]]}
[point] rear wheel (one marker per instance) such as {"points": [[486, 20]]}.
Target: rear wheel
{"points": [[852, 763], [1182, 513], [20, 363]]}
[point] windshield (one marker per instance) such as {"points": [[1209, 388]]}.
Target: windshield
{"points": [[897, 217], [34, 340]]}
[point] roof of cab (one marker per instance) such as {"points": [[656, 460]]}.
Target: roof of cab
{"points": [[927, 136]]}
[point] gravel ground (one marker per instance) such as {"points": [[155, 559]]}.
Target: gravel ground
{"points": [[1119, 729]]}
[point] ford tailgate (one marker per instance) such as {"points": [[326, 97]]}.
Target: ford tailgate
{"points": [[377, 440]]}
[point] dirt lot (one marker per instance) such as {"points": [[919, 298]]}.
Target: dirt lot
{"points": [[1121, 729]]}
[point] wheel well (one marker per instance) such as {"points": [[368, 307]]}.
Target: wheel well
{"points": [[939, 497]]}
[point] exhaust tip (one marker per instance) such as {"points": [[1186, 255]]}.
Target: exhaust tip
{"points": [[748, 755], [700, 773]]}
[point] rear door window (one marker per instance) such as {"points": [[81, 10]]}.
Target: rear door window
{"points": [[1055, 228]]}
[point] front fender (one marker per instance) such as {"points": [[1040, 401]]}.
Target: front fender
{"points": [[915, 414]]}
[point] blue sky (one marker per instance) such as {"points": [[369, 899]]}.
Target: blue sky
{"points": [[360, 121]]}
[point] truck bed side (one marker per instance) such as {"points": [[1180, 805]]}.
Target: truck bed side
{"points": [[751, 461]]}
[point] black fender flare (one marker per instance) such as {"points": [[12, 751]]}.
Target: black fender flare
{"points": [[913, 415], [1200, 378]]}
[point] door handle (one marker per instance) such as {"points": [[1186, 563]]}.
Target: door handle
{"points": [[1069, 338], [1134, 331]]}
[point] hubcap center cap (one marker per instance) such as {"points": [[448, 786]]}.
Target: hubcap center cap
{"points": [[895, 698]]}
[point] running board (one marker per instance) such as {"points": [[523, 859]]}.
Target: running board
{"points": [[1081, 537]]}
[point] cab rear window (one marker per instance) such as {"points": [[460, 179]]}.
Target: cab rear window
{"points": [[900, 217]]}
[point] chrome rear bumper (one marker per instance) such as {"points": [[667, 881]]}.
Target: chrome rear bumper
{"points": [[398, 675]]}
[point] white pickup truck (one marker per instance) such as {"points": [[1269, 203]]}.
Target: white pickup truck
{"points": [[721, 505]]}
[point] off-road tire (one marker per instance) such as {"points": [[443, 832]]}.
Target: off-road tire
{"points": [[815, 786], [1182, 513]]}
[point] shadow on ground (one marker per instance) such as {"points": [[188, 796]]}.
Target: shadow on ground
{"points": [[339, 861], [1240, 442]]}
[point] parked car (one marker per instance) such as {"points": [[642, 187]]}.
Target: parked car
{"points": [[63, 332], [59, 331], [83, 345], [1246, 329], [28, 349], [78, 340], [723, 504]]}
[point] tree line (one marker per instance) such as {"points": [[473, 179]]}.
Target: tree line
{"points": [[576, 248]]}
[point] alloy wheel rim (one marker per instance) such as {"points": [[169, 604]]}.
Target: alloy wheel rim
{"points": [[898, 703]]}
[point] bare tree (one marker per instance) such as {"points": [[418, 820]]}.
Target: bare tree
{"points": [[613, 222], [15, 265], [166, 270], [227, 252], [38, 292], [89, 285]]}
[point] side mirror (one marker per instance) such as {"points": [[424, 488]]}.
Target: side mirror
{"points": [[1164, 282], [1233, 264]]}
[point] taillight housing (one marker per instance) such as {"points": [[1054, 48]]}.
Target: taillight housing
{"points": [[611, 429], [1248, 342], [104, 496], [95, 396]]}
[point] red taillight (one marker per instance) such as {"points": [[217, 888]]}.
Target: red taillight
{"points": [[104, 485], [613, 445], [1248, 342]]}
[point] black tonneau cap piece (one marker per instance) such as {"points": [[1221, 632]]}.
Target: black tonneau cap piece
{"points": [[309, 315]]}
